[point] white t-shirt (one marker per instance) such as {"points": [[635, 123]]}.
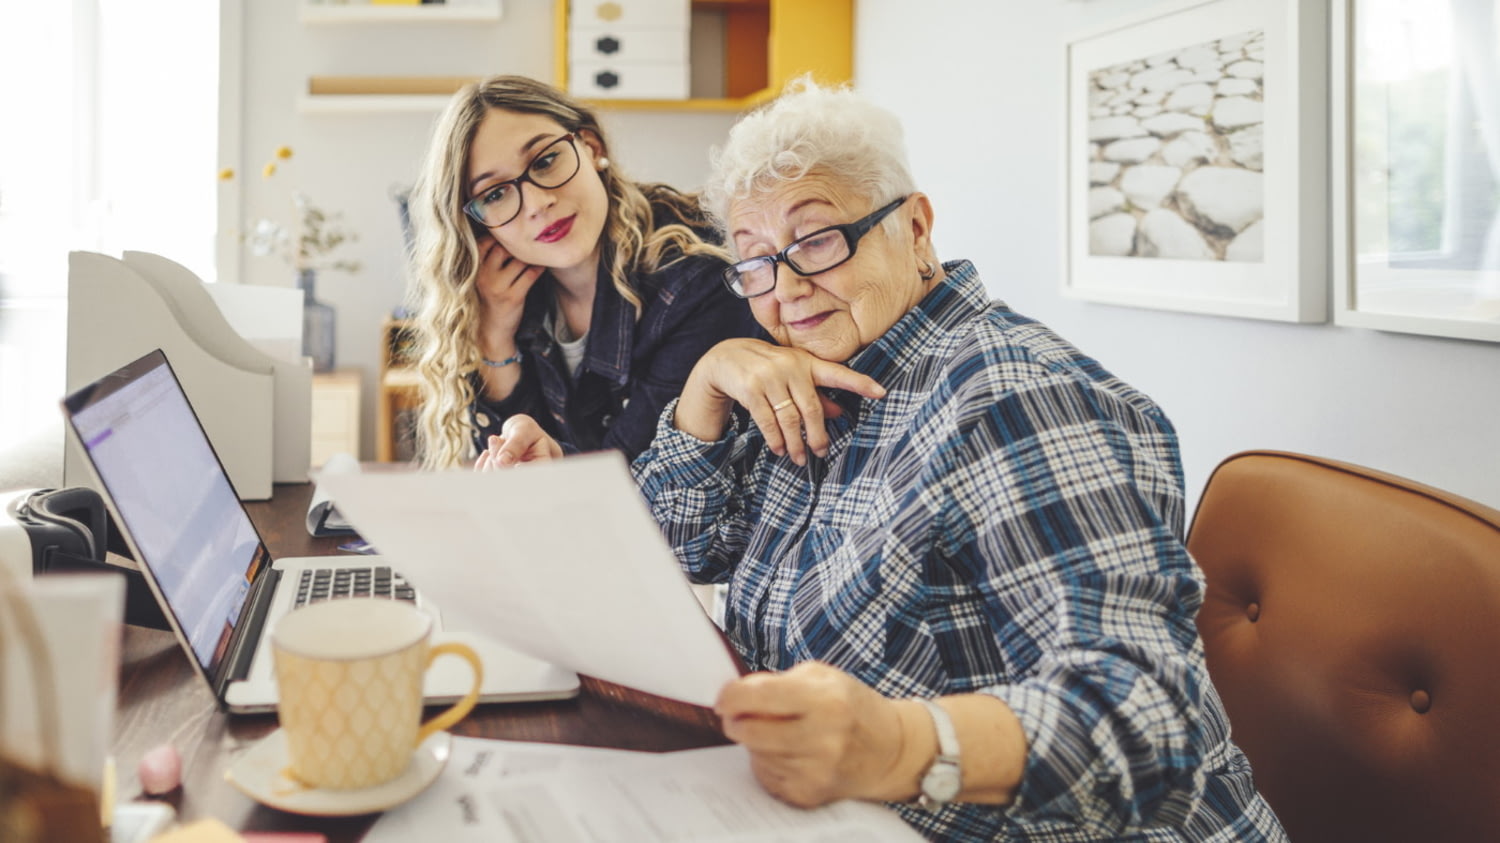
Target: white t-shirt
{"points": [[572, 348]]}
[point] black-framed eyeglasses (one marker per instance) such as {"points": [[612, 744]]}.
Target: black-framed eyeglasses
{"points": [[817, 252], [553, 167]]}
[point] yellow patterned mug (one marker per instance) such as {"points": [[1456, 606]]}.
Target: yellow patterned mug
{"points": [[349, 689]]}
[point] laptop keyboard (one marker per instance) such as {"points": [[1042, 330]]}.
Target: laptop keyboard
{"points": [[316, 584]]}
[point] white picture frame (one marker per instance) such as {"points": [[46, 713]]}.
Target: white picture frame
{"points": [[1248, 235], [1413, 251]]}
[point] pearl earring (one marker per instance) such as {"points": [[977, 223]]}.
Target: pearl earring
{"points": [[603, 163]]}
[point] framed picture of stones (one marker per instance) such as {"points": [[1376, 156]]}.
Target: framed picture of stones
{"points": [[1195, 160], [1416, 166]]}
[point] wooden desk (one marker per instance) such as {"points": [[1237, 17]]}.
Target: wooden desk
{"points": [[161, 700]]}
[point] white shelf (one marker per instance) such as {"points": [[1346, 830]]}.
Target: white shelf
{"points": [[370, 103], [453, 11]]}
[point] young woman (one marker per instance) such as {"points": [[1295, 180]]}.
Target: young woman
{"points": [[553, 292]]}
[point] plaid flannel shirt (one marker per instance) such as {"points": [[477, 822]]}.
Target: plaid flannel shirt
{"points": [[1007, 520]]}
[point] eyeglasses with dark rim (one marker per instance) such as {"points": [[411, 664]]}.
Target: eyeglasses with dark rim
{"points": [[817, 252], [553, 167]]}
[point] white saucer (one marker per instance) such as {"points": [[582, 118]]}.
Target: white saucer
{"points": [[258, 773]]}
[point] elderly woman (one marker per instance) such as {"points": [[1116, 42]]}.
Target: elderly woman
{"points": [[952, 542]]}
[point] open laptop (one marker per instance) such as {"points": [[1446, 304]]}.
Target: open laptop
{"points": [[213, 576]]}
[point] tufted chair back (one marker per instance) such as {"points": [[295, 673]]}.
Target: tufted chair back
{"points": [[1352, 628]]}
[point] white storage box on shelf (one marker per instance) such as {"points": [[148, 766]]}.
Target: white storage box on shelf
{"points": [[627, 46], [620, 80], [629, 49]]}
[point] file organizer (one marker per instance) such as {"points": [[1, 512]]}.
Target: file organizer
{"points": [[255, 408]]}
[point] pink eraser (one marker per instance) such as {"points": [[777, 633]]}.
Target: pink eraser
{"points": [[160, 770]]}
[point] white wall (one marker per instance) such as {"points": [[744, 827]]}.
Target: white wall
{"points": [[979, 86], [349, 162]]}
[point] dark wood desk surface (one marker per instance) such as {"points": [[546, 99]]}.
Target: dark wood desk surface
{"points": [[162, 701]]}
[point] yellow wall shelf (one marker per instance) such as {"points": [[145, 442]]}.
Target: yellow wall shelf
{"points": [[379, 93], [369, 103]]}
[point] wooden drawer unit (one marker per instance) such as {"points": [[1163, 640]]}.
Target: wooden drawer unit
{"points": [[397, 402], [335, 414]]}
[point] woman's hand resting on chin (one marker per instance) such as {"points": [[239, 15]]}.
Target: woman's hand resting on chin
{"points": [[777, 385]]}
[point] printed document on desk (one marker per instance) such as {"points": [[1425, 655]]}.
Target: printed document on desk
{"points": [[516, 792], [560, 560]]}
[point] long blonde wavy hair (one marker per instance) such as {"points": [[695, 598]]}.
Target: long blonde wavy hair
{"points": [[445, 251]]}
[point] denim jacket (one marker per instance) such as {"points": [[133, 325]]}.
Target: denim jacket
{"points": [[630, 369]]}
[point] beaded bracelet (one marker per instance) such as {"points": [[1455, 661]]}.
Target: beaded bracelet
{"points": [[495, 364]]}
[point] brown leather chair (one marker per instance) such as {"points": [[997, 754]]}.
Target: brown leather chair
{"points": [[1352, 627]]}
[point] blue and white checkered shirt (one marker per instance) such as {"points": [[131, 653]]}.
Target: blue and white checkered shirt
{"points": [[1007, 520]]}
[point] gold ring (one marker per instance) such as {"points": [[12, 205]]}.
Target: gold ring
{"points": [[781, 405]]}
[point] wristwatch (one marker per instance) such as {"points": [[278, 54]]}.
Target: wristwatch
{"points": [[942, 782]]}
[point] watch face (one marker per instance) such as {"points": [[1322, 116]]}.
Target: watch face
{"points": [[941, 783]]}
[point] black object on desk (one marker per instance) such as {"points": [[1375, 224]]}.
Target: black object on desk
{"points": [[68, 531]]}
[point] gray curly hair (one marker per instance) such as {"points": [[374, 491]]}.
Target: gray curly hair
{"points": [[810, 128]]}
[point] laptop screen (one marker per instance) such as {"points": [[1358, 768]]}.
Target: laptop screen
{"points": [[173, 497]]}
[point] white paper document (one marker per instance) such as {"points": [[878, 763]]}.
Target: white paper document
{"points": [[515, 792], [322, 518], [561, 560]]}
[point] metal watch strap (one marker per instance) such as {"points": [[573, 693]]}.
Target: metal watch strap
{"points": [[942, 782]]}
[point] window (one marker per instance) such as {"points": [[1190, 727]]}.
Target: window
{"points": [[110, 142]]}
